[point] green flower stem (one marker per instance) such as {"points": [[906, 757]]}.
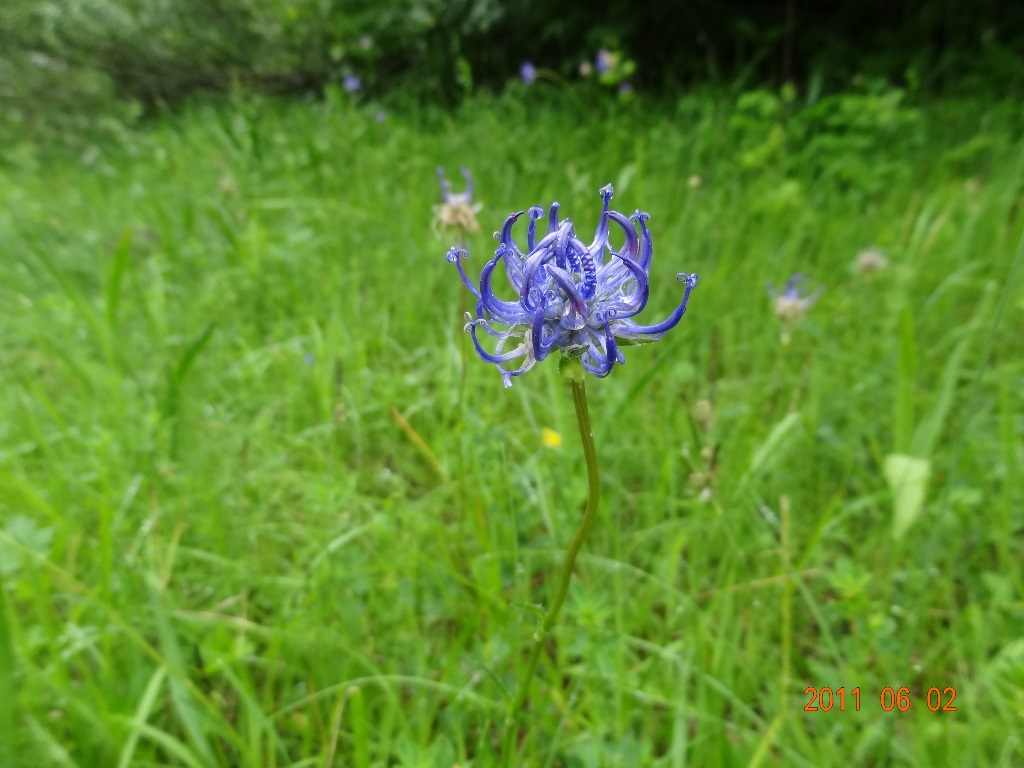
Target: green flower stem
{"points": [[579, 399]]}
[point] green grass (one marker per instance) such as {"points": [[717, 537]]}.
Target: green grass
{"points": [[250, 515]]}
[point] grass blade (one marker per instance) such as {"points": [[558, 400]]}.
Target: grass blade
{"points": [[169, 744], [175, 381], [175, 662], [142, 713], [360, 732], [117, 269], [772, 449], [8, 694], [905, 375], [929, 430]]}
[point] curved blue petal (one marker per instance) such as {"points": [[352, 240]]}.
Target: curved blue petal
{"points": [[506, 375], [506, 311], [505, 236], [446, 187], [587, 267], [545, 251], [553, 218], [455, 256], [576, 301], [531, 234], [629, 329], [487, 356], [611, 276], [631, 247], [469, 184], [482, 323], [611, 356], [507, 248], [647, 245], [625, 305], [794, 286], [564, 256], [513, 265], [597, 247], [537, 335]]}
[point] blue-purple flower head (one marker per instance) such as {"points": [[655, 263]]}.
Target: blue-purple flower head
{"points": [[457, 210], [572, 297], [528, 72], [604, 61], [793, 301], [352, 83]]}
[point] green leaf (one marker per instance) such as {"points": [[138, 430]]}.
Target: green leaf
{"points": [[24, 531], [908, 480]]}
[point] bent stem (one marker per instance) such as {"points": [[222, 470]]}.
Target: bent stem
{"points": [[579, 399]]}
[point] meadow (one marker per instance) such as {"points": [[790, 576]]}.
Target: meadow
{"points": [[261, 505]]}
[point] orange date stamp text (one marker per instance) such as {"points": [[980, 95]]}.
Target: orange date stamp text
{"points": [[826, 699]]}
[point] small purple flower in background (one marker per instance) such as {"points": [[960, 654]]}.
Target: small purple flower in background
{"points": [[528, 72], [793, 302], [572, 297], [604, 61], [352, 83], [625, 89], [457, 210], [380, 116]]}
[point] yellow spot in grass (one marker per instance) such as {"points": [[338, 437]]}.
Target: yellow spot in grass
{"points": [[550, 438]]}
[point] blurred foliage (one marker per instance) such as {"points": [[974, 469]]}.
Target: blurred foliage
{"points": [[838, 137], [60, 58]]}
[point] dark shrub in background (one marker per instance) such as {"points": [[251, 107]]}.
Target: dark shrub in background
{"points": [[70, 56]]}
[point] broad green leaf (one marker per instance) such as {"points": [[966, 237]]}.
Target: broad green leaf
{"points": [[908, 480]]}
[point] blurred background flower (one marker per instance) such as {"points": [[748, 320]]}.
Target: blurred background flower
{"points": [[528, 73], [792, 302], [871, 260], [604, 61], [457, 210]]}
